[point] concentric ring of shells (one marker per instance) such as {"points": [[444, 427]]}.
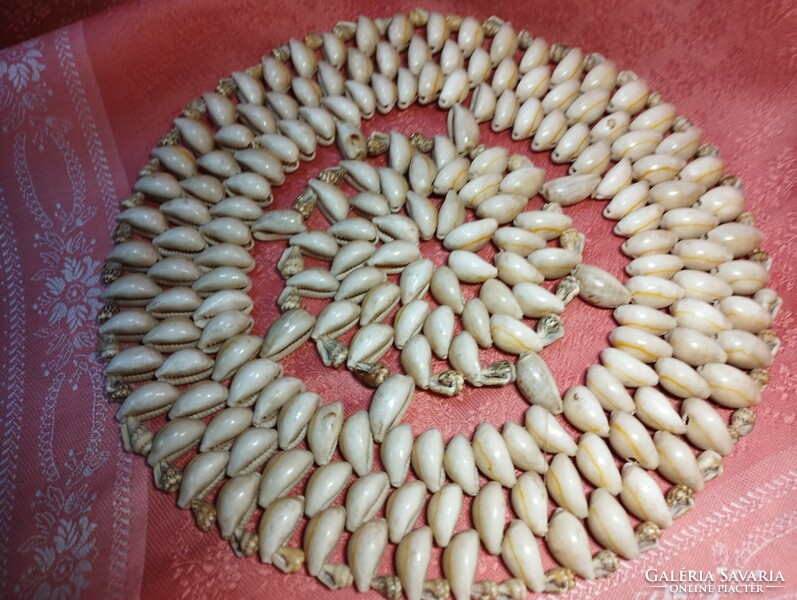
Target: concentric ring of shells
{"points": [[248, 448]]}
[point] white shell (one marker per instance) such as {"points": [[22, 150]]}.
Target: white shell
{"points": [[364, 552], [745, 314], [600, 288], [655, 410], [523, 450], [640, 344], [412, 558], [471, 236], [705, 428], [492, 455], [680, 379], [460, 464], [677, 461], [403, 508], [694, 348], [739, 238], [513, 336], [730, 387], [321, 536], [460, 562], [522, 556], [443, 511], [702, 286], [536, 384], [200, 476], [325, 485], [700, 316], [445, 286], [608, 389], [584, 412], [642, 497], [645, 318], [476, 321], [744, 349], [356, 442], [281, 474], [498, 298], [415, 280], [323, 431], [370, 343], [655, 292], [416, 360], [548, 433], [427, 459], [597, 463], [535, 301], [438, 329], [365, 498], [530, 502], [235, 503], [564, 486], [568, 542], [609, 524], [409, 321], [630, 440], [489, 516], [277, 525], [395, 453], [391, 400]]}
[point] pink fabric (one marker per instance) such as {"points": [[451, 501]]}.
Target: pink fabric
{"points": [[80, 109]]}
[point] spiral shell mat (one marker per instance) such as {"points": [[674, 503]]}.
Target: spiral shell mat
{"points": [[317, 285]]}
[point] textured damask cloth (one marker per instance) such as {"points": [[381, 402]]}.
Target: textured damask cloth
{"points": [[80, 108]]}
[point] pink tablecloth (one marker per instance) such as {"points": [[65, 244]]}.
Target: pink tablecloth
{"points": [[80, 109]]}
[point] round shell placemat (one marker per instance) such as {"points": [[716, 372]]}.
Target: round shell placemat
{"points": [[299, 359]]}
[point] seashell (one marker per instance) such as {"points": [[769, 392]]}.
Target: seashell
{"points": [[506, 109], [464, 357], [471, 236], [615, 181], [654, 241], [324, 426], [572, 142], [517, 240], [554, 263], [466, 267], [730, 387], [642, 345], [462, 127], [694, 348], [569, 67], [200, 400], [597, 464], [407, 88], [701, 255], [321, 536], [171, 334], [476, 321], [224, 255], [586, 108], [567, 540], [631, 441], [424, 213], [608, 389], [356, 442], [388, 59], [176, 159], [443, 512], [655, 410], [182, 367], [600, 288], [470, 36], [492, 455], [645, 318], [699, 285], [200, 476], [460, 562], [129, 325], [451, 215], [415, 280], [281, 474], [705, 428], [389, 404], [724, 202], [460, 464], [158, 187], [522, 556], [677, 461], [631, 372], [571, 189], [235, 504], [395, 453], [536, 383], [289, 331], [705, 170], [222, 327], [416, 360], [610, 525], [427, 459], [133, 290], [593, 159], [535, 301], [148, 401], [294, 417], [642, 496], [744, 276], [700, 316], [134, 255], [547, 432], [219, 302], [174, 439], [352, 229], [225, 427], [365, 498], [656, 168], [393, 256], [549, 132], [319, 119], [412, 558], [369, 344], [439, 330], [680, 379], [409, 321], [364, 552], [452, 90], [745, 350], [584, 412], [655, 292], [504, 44], [513, 269], [277, 525], [403, 508], [483, 102], [258, 117], [564, 486], [739, 238], [656, 265], [642, 219], [251, 449], [394, 188], [745, 314], [489, 516], [215, 280], [689, 223], [335, 319]]}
